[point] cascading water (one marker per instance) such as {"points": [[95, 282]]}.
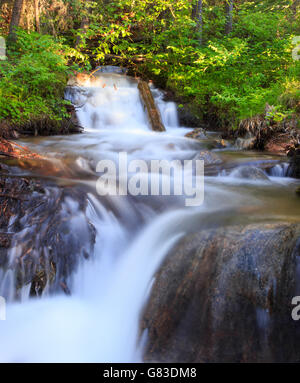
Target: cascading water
{"points": [[99, 321], [279, 170]]}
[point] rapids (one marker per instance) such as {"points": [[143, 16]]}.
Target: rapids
{"points": [[99, 321]]}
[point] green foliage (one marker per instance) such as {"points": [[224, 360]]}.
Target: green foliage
{"points": [[32, 81], [232, 77]]}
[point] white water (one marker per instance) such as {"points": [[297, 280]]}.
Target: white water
{"points": [[99, 322]]}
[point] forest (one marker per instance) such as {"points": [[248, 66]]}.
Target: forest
{"points": [[224, 59]]}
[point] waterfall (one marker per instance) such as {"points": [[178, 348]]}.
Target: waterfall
{"points": [[99, 321], [279, 170]]}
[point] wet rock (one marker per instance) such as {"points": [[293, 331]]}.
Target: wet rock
{"points": [[7, 131], [72, 81], [221, 144], [224, 295], [249, 172], [198, 134], [278, 144], [294, 166], [247, 143], [45, 230], [263, 133], [209, 158]]}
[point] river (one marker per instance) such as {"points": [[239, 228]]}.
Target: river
{"points": [[99, 320]]}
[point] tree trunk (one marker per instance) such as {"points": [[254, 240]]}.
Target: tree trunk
{"points": [[83, 27], [15, 18], [294, 7], [197, 14], [37, 15], [150, 106], [85, 22], [229, 15]]}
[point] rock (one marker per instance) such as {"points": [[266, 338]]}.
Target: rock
{"points": [[249, 172], [209, 158], [46, 231], [263, 133], [247, 143], [298, 191], [294, 166], [72, 81], [221, 144], [197, 133], [278, 144], [224, 295], [79, 79]]}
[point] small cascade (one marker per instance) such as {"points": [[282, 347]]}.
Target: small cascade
{"points": [[111, 101], [279, 170], [168, 109]]}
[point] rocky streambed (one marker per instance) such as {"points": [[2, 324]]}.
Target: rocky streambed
{"points": [[145, 278]]}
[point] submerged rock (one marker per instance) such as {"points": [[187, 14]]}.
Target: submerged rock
{"points": [[209, 158], [224, 295], [249, 172]]}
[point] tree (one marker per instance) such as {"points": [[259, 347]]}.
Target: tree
{"points": [[85, 22], [15, 18], [197, 13], [229, 16], [295, 5], [37, 15]]}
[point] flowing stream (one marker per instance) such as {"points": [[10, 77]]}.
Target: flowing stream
{"points": [[99, 321]]}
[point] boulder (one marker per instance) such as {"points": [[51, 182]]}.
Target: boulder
{"points": [[209, 158], [224, 295], [45, 233], [247, 143], [197, 134], [263, 133], [221, 144], [249, 172], [294, 167]]}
